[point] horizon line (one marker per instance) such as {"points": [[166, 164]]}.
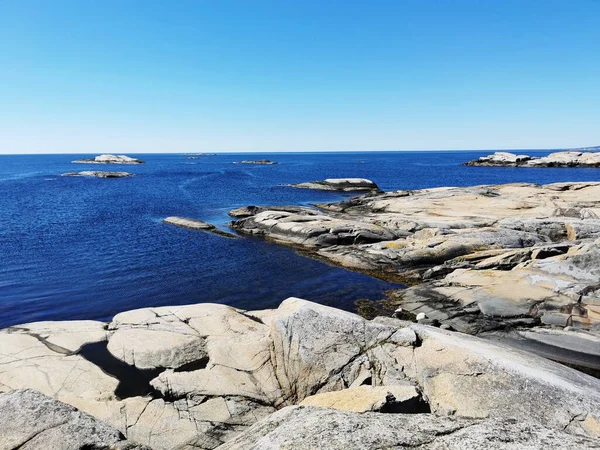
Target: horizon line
{"points": [[314, 151]]}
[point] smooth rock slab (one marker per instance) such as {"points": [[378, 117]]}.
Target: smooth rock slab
{"points": [[306, 428], [367, 398]]}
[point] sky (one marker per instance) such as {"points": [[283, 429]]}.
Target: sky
{"points": [[124, 76]]}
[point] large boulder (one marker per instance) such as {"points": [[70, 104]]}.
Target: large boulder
{"points": [[319, 349], [30, 420]]}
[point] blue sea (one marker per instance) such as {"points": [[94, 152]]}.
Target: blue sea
{"points": [[86, 248]]}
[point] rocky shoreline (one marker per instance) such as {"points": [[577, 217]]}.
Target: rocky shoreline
{"points": [[504, 281], [479, 259], [302, 376]]}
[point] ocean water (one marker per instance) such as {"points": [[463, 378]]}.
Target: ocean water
{"points": [[86, 248]]}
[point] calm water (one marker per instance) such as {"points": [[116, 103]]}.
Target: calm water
{"points": [[74, 248]]}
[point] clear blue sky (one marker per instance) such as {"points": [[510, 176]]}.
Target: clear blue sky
{"points": [[183, 76]]}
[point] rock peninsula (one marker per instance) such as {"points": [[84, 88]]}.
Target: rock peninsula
{"points": [[304, 376], [109, 159], [478, 259], [557, 159]]}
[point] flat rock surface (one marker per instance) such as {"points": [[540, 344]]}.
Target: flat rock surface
{"points": [[110, 159], [367, 398]]}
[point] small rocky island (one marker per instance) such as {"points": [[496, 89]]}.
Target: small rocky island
{"points": [[98, 174], [109, 159], [558, 159], [260, 162], [339, 184]]}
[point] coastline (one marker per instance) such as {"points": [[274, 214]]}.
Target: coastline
{"points": [[476, 260], [210, 376]]}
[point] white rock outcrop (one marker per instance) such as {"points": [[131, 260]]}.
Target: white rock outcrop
{"points": [[109, 159]]}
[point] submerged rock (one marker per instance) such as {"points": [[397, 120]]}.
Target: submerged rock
{"points": [[98, 174], [109, 159], [195, 224], [340, 184], [557, 159]]}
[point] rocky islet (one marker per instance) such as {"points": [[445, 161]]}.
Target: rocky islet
{"points": [[339, 184], [109, 159], [98, 174], [556, 159]]}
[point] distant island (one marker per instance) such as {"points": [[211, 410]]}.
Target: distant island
{"points": [[264, 162], [557, 159], [196, 155], [97, 174], [109, 159]]}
